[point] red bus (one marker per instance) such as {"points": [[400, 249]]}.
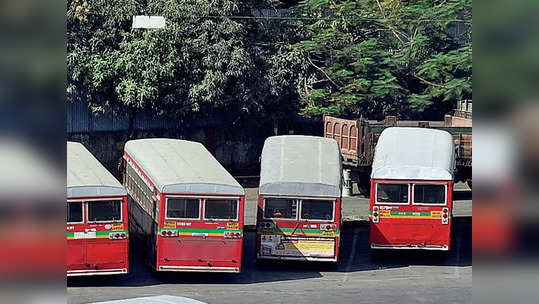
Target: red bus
{"points": [[97, 224], [411, 202], [186, 210], [299, 202]]}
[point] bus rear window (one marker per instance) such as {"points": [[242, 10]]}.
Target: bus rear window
{"points": [[392, 193], [74, 212], [104, 211], [280, 208], [429, 194], [182, 208], [218, 209], [317, 210]]}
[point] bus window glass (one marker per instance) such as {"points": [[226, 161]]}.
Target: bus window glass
{"points": [[317, 210], [74, 212], [280, 208], [183, 208], [104, 211], [218, 209], [392, 193], [429, 194]]}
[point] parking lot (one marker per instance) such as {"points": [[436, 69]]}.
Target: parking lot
{"points": [[361, 276]]}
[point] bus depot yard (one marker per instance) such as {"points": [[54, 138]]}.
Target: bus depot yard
{"points": [[361, 275], [191, 222]]}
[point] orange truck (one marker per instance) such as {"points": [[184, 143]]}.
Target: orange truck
{"points": [[357, 141]]}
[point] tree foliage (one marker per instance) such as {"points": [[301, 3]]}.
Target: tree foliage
{"points": [[193, 65], [379, 57], [349, 58]]}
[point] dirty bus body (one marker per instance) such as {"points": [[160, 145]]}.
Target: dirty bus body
{"points": [[299, 202], [97, 221], [411, 201], [187, 210]]}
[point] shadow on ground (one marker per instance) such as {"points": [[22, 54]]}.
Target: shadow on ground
{"points": [[355, 256]]}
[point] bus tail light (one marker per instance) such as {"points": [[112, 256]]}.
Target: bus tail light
{"points": [[445, 216], [232, 235], [328, 227], [117, 236], [375, 214], [167, 233]]}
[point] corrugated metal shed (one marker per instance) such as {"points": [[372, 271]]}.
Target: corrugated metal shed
{"points": [[80, 119]]}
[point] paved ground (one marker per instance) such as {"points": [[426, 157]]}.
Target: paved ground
{"points": [[356, 208], [359, 277]]}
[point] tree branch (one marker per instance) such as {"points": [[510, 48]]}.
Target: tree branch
{"points": [[428, 82], [325, 74]]}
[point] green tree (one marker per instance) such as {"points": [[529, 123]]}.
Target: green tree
{"points": [[377, 57], [197, 63]]}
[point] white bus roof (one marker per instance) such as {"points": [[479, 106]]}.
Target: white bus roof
{"points": [[414, 153], [87, 177], [181, 166], [300, 165]]}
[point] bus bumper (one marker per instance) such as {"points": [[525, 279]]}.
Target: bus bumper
{"points": [[199, 269], [411, 246], [290, 258], [87, 272]]}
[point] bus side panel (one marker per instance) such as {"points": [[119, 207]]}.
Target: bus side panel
{"points": [[142, 227], [338, 222], [259, 221]]}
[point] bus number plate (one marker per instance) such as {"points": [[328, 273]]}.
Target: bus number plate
{"points": [[170, 224], [233, 226]]}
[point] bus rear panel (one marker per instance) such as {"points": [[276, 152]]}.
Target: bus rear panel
{"points": [[304, 229], [198, 233], [97, 236], [411, 215]]}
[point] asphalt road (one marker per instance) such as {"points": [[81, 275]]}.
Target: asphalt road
{"points": [[361, 276]]}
